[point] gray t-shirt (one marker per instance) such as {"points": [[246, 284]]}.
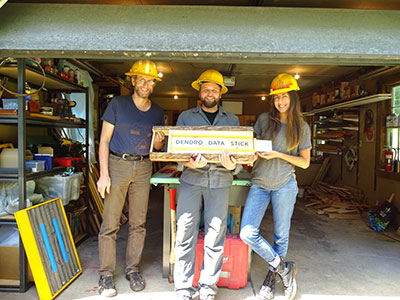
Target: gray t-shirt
{"points": [[273, 174]]}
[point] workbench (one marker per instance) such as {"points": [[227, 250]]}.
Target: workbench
{"points": [[168, 176]]}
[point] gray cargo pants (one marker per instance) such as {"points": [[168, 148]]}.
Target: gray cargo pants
{"points": [[188, 220]]}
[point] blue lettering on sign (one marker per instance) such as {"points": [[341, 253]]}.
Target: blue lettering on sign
{"points": [[216, 143], [239, 144], [189, 142]]}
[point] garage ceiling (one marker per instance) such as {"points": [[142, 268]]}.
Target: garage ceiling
{"points": [[251, 79], [351, 4]]}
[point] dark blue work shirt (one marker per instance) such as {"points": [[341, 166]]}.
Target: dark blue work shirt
{"points": [[133, 127]]}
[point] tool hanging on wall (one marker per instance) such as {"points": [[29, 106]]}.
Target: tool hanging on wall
{"points": [[369, 126], [350, 158]]}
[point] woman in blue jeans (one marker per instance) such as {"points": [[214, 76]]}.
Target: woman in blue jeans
{"points": [[273, 181]]}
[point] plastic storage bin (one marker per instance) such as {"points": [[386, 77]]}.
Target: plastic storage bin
{"points": [[47, 158], [35, 165], [65, 187], [66, 161], [10, 103], [235, 262]]}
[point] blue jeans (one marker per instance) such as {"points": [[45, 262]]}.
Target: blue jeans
{"points": [[257, 202]]}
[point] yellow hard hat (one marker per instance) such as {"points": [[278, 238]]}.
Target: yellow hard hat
{"points": [[144, 67], [212, 76], [283, 83]]}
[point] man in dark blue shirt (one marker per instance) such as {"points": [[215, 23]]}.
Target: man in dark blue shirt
{"points": [[125, 169]]}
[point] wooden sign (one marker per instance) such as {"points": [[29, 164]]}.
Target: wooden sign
{"points": [[210, 141], [213, 141]]}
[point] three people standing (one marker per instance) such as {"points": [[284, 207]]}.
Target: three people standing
{"points": [[125, 170]]}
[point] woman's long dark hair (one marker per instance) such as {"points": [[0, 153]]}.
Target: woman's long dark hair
{"points": [[294, 122]]}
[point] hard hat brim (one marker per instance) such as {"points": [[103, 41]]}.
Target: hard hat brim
{"points": [[143, 74], [284, 90], [196, 85]]}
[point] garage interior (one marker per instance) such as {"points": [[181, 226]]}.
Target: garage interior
{"points": [[338, 258]]}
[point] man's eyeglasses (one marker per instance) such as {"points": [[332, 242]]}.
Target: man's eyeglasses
{"points": [[149, 82]]}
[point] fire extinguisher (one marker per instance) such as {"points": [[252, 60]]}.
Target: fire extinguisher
{"points": [[389, 160]]}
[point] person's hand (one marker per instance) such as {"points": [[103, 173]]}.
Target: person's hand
{"points": [[104, 185], [229, 162], [252, 159], [159, 139], [196, 161], [269, 155]]}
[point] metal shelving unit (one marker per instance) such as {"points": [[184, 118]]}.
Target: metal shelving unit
{"points": [[26, 73], [335, 132], [332, 123], [37, 121], [334, 129], [349, 103]]}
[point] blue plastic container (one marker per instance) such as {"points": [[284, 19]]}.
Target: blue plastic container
{"points": [[35, 165], [10, 103], [47, 158]]}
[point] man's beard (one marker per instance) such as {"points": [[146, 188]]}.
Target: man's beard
{"points": [[209, 104], [139, 93]]}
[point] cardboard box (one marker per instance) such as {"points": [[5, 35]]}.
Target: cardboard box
{"points": [[46, 150], [9, 253], [9, 262], [236, 211]]}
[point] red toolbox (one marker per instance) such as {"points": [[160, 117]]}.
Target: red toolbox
{"points": [[234, 267], [66, 161]]}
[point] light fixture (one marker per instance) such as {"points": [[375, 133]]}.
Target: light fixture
{"points": [[297, 76], [263, 98], [160, 75], [176, 97]]}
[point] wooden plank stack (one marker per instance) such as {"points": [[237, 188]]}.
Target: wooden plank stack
{"points": [[335, 201]]}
